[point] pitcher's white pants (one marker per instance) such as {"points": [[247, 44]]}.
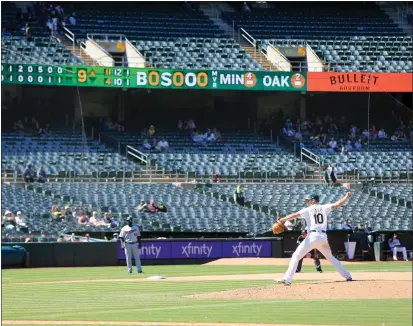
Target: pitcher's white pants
{"points": [[314, 240], [399, 249], [132, 249]]}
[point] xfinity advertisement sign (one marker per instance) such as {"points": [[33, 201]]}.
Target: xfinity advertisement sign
{"points": [[202, 249]]}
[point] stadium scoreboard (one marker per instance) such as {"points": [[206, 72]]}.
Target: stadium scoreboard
{"points": [[130, 77]]}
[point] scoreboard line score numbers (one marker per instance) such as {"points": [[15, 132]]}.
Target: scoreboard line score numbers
{"points": [[32, 74], [118, 73]]}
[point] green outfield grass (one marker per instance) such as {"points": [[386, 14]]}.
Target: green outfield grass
{"points": [[164, 301]]}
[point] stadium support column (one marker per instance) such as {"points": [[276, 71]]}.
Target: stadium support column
{"points": [[303, 106]]}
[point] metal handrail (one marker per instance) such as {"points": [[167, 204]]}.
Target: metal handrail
{"points": [[311, 156], [144, 158], [248, 37], [70, 35]]}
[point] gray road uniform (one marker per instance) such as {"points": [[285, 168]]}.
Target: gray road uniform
{"points": [[130, 238]]}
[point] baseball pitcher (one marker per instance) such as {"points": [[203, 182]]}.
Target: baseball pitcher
{"points": [[315, 216], [130, 239]]}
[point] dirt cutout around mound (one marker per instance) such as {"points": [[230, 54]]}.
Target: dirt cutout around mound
{"points": [[257, 261], [338, 290]]}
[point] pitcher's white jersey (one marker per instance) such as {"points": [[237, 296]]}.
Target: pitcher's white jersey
{"points": [[316, 217]]}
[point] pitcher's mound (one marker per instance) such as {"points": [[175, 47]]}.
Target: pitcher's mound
{"points": [[322, 290]]}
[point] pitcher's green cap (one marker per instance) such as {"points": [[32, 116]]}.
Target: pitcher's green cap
{"points": [[312, 196]]}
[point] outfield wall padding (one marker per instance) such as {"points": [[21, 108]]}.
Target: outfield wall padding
{"points": [[184, 251]]}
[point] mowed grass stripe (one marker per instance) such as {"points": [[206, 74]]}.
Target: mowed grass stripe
{"points": [[366, 312], [58, 274]]}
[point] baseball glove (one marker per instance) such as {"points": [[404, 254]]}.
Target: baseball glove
{"points": [[277, 228]]}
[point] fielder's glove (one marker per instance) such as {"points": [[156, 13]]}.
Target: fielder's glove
{"points": [[278, 227]]}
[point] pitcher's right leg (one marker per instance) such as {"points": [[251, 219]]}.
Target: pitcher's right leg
{"points": [[326, 251]]}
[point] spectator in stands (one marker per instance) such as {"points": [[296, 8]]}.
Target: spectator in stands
{"points": [[44, 131], [180, 125], [8, 220], [298, 136], [346, 225], [108, 221], [95, 220], [357, 145], [162, 208], [162, 145], [146, 145], [373, 132], [28, 33], [347, 147], [83, 219], [366, 228], [41, 174], [396, 246], [29, 174], [332, 174], [21, 220], [152, 208], [42, 237], [239, 195], [209, 136], [326, 176], [366, 134], [191, 125], [359, 228], [143, 207], [61, 238], [324, 143], [151, 131], [49, 26], [115, 237], [18, 126], [87, 238], [316, 141], [68, 213], [54, 24], [216, 178], [154, 142], [217, 134], [72, 19], [57, 213], [394, 138], [198, 138], [35, 124], [333, 145]]}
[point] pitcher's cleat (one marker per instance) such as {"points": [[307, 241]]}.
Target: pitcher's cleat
{"points": [[349, 279], [283, 282]]}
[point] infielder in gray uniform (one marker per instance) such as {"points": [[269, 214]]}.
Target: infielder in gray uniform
{"points": [[130, 239]]}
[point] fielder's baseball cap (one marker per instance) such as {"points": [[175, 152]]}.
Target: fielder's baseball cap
{"points": [[312, 196]]}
